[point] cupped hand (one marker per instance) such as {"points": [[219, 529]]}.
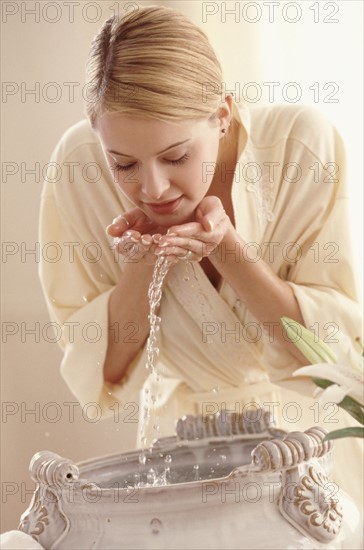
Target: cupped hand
{"points": [[135, 236], [197, 239]]}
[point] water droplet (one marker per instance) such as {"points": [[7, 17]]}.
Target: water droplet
{"points": [[216, 389], [151, 476], [168, 459], [156, 526], [186, 278], [196, 466], [142, 458], [146, 391], [84, 298]]}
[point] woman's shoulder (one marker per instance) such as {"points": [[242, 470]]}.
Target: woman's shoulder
{"points": [[80, 136], [304, 123]]}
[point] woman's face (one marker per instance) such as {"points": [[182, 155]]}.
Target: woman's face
{"points": [[163, 168]]}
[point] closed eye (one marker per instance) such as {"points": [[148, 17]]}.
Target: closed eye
{"points": [[120, 168], [179, 161], [125, 167]]}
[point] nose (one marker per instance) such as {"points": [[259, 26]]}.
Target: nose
{"points": [[154, 184]]}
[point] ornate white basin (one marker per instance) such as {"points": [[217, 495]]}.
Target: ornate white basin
{"points": [[229, 482]]}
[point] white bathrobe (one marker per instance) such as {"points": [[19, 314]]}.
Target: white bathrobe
{"points": [[290, 204]]}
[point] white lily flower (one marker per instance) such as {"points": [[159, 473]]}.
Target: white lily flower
{"points": [[339, 364], [345, 352], [332, 394], [347, 380]]}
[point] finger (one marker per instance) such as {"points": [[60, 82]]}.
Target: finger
{"points": [[118, 226], [157, 237], [133, 236], [186, 230], [146, 239], [210, 213], [211, 221], [181, 247], [132, 251], [193, 242], [180, 254], [132, 219], [129, 237]]}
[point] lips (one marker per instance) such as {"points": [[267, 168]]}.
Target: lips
{"points": [[164, 207]]}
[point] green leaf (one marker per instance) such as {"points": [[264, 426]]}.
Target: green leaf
{"points": [[322, 382], [353, 408], [345, 432], [349, 404], [353, 402]]}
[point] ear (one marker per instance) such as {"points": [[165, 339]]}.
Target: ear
{"points": [[226, 112]]}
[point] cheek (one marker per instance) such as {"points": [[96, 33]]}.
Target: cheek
{"points": [[127, 182], [127, 189], [202, 175]]}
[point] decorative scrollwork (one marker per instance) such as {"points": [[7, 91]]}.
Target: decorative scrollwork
{"points": [[51, 469], [295, 448], [224, 424], [308, 502], [263, 192], [35, 521], [52, 474], [326, 511]]}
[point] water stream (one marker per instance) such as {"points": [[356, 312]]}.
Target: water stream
{"points": [[161, 268], [156, 474]]}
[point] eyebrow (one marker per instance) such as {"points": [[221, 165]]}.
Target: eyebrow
{"points": [[160, 152]]}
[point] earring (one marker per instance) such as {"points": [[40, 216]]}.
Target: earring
{"points": [[224, 130]]}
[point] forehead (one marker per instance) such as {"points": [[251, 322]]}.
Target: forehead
{"points": [[131, 135]]}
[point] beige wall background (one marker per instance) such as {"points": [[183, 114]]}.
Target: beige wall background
{"points": [[316, 45]]}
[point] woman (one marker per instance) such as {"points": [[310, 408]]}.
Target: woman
{"points": [[254, 200]]}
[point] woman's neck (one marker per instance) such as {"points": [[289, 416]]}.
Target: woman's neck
{"points": [[225, 167]]}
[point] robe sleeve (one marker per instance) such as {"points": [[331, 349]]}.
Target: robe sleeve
{"points": [[78, 271], [312, 229]]}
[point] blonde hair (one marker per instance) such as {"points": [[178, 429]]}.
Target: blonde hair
{"points": [[153, 62]]}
